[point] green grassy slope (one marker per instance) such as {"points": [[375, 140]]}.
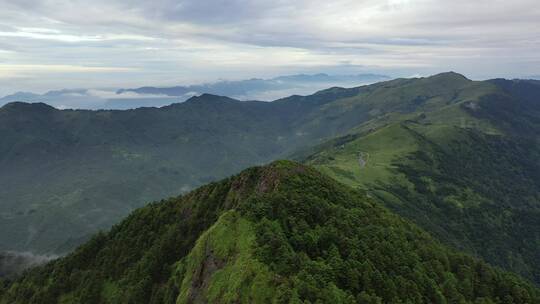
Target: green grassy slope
{"points": [[468, 172], [283, 233]]}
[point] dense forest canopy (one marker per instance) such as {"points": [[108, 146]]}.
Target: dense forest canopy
{"points": [[282, 233]]}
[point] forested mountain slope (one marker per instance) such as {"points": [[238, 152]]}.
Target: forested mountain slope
{"points": [[65, 174], [459, 157], [283, 233], [468, 172]]}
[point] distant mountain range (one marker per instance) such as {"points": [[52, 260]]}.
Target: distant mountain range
{"points": [[264, 89], [259, 89]]}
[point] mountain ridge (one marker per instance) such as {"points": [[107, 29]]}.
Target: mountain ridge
{"points": [[96, 166], [467, 172]]}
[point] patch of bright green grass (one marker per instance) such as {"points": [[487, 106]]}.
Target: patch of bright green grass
{"points": [[235, 275], [379, 149]]}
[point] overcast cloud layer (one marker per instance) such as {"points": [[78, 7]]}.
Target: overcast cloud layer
{"points": [[52, 44]]}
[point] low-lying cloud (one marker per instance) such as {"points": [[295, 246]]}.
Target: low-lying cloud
{"points": [[13, 263], [250, 89]]}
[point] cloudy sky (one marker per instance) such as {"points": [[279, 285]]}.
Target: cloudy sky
{"points": [[52, 44]]}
